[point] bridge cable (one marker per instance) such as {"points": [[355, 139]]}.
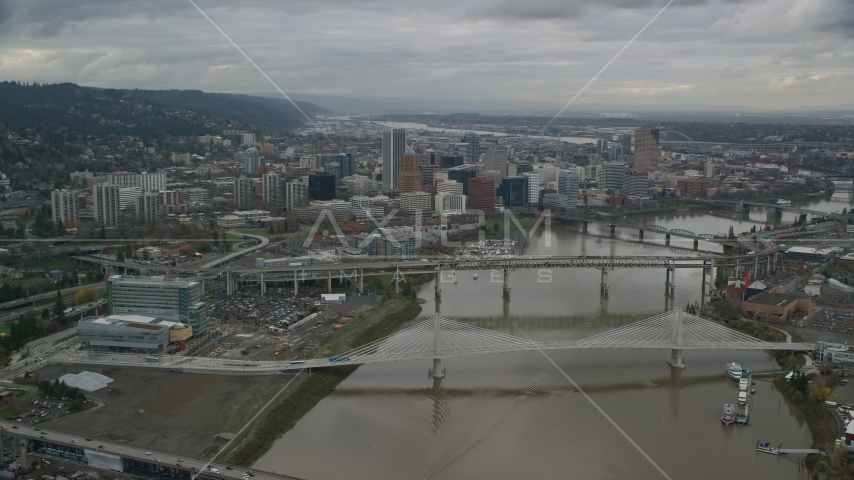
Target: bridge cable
{"points": [[595, 405]]}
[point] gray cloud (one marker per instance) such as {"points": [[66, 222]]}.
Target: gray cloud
{"points": [[543, 50], [734, 72]]}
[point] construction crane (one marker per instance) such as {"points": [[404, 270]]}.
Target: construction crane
{"points": [[169, 253]]}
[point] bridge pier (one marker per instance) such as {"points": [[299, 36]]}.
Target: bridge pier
{"points": [[263, 285], [613, 228], [506, 292], [640, 234], [696, 244], [584, 226], [296, 283], [667, 239], [22, 451], [361, 281], [676, 358], [329, 282], [437, 372], [670, 282], [438, 288], [603, 283]]}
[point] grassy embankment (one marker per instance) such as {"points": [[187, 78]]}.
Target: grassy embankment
{"points": [[301, 397]]}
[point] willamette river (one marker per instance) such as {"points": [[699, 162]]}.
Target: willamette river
{"points": [[516, 416]]}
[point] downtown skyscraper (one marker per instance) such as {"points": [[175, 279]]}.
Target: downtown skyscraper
{"points": [[394, 145]]}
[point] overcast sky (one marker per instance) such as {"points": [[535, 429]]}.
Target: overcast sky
{"points": [[775, 54]]}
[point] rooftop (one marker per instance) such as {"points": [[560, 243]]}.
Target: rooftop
{"points": [[774, 299], [157, 280]]}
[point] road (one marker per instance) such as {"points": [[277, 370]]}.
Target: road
{"points": [[264, 242], [136, 453], [50, 295]]}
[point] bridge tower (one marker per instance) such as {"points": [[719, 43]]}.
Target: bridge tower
{"points": [[438, 287], [437, 372], [506, 288], [670, 281], [676, 359]]}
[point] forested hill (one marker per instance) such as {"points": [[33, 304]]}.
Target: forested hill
{"points": [[144, 113]]}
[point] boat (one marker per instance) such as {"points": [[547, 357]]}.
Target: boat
{"points": [[742, 397], [475, 276], [783, 201], [767, 448], [728, 414], [743, 383], [734, 371]]}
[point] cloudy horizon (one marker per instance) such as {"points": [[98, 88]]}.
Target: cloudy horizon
{"points": [[761, 54]]}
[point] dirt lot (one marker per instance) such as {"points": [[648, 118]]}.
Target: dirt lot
{"points": [[180, 413]]}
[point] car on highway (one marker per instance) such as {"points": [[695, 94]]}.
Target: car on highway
{"points": [[148, 453]]}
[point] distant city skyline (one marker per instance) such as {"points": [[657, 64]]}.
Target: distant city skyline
{"points": [[763, 54]]}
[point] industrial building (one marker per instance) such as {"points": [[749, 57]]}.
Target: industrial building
{"points": [[160, 297]]}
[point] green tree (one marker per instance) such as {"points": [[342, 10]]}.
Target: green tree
{"points": [[59, 308], [720, 279], [120, 256], [45, 314]]}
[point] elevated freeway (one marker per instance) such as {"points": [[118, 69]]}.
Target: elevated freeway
{"points": [[35, 441], [445, 269]]}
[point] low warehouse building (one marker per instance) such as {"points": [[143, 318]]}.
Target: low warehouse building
{"points": [[776, 307], [333, 297]]}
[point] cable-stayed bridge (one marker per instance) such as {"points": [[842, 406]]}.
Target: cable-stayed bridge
{"points": [[440, 337]]}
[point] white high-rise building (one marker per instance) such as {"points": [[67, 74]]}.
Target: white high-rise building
{"points": [[533, 186], [243, 192], [568, 183], [149, 182], [449, 186], [128, 197], [360, 206], [65, 207], [251, 160], [450, 203], [148, 207], [394, 145], [612, 176], [413, 202], [271, 189], [152, 182], [106, 204]]}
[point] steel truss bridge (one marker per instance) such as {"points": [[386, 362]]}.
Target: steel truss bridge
{"points": [[440, 337], [781, 208]]}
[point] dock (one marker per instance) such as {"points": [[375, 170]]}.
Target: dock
{"points": [[779, 450]]}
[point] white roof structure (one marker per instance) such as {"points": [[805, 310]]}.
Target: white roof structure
{"points": [[88, 381], [130, 318]]}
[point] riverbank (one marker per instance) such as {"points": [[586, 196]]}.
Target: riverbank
{"points": [[302, 397], [809, 400]]}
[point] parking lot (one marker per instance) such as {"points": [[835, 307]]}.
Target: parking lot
{"points": [[262, 327], [831, 320]]}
